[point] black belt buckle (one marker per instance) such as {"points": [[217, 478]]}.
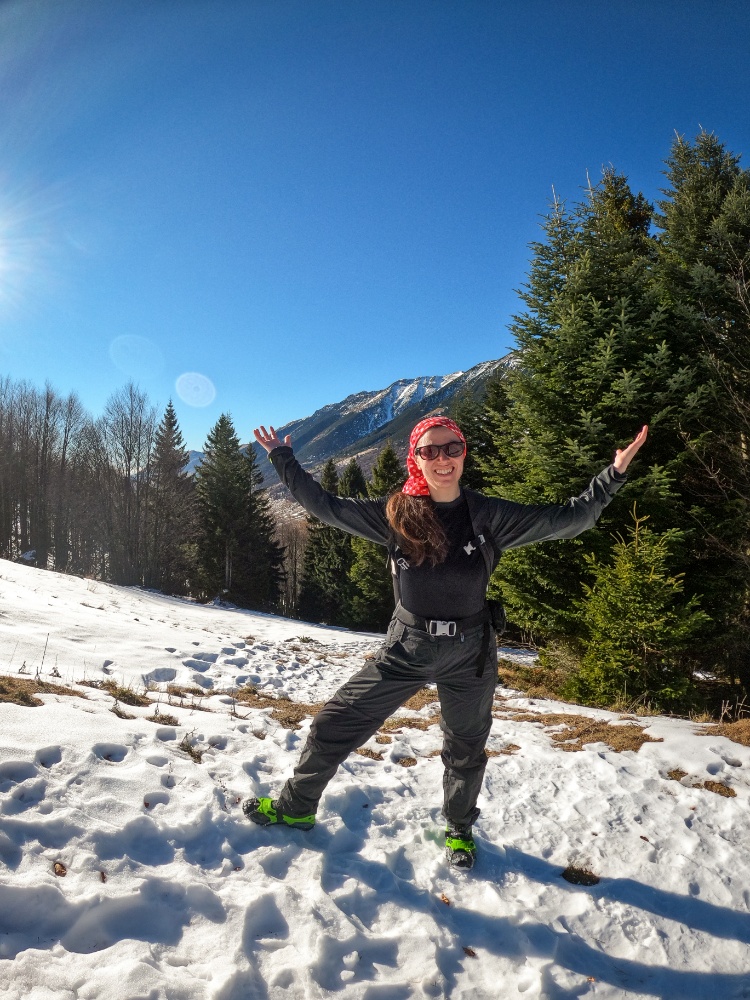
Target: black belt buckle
{"points": [[435, 627]]}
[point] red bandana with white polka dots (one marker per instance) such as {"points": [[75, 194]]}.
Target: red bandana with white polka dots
{"points": [[416, 484]]}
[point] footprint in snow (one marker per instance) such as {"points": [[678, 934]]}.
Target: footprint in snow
{"points": [[113, 753], [726, 757], [152, 799], [48, 756]]}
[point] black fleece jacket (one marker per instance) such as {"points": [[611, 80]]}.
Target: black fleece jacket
{"points": [[507, 523]]}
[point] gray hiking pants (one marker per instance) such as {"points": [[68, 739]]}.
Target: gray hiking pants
{"points": [[407, 661]]}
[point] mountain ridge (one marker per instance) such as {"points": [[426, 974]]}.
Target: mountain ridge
{"points": [[360, 424]]}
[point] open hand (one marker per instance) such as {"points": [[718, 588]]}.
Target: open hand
{"points": [[624, 456], [269, 440]]}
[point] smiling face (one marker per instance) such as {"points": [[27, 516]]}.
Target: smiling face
{"points": [[442, 474]]}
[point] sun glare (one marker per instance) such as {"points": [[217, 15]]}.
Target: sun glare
{"points": [[27, 242]]}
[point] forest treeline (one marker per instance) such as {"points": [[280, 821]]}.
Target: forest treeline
{"points": [[112, 498], [632, 313]]}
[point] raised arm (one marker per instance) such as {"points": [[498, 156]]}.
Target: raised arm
{"points": [[517, 524], [365, 518]]}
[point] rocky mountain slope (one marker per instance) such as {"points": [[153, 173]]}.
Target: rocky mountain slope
{"points": [[365, 420]]}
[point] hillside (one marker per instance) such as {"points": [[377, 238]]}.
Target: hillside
{"points": [[609, 867]]}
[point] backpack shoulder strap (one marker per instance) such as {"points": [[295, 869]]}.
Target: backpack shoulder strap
{"points": [[475, 503]]}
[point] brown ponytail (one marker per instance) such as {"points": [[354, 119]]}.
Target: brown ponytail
{"points": [[418, 531]]}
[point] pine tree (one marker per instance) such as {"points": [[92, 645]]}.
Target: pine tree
{"points": [[595, 362], [325, 594], [352, 482], [703, 271], [238, 555], [173, 510], [639, 629], [622, 327], [260, 572], [469, 412], [372, 603]]}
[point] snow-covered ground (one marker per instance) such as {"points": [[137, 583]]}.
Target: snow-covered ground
{"points": [[128, 871]]}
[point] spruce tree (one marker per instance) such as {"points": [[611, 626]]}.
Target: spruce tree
{"points": [[624, 326], [352, 482], [238, 555], [639, 628], [469, 412], [173, 511], [594, 363], [325, 594], [372, 602], [703, 271]]}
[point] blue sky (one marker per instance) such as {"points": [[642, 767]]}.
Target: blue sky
{"points": [[288, 201]]}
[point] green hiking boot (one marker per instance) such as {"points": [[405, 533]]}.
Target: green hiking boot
{"points": [[460, 848], [264, 813]]}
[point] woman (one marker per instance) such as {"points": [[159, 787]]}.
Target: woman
{"points": [[444, 542]]}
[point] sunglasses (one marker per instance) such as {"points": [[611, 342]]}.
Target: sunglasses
{"points": [[429, 452]]}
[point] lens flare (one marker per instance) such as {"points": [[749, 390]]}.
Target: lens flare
{"points": [[137, 357], [195, 389]]}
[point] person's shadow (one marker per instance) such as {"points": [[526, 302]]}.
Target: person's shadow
{"points": [[392, 883]]}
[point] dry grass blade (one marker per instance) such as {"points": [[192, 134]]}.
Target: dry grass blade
{"points": [[116, 710], [187, 746]]}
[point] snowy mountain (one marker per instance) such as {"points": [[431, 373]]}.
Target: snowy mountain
{"points": [[365, 420], [609, 867], [368, 419]]}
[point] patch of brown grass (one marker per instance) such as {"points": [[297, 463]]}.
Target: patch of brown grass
{"points": [[719, 788], [384, 739], [163, 719], [579, 876], [738, 732], [540, 681], [289, 714], [578, 730], [194, 754], [116, 710], [399, 722], [676, 774], [407, 761], [424, 697], [125, 694], [366, 752], [507, 751], [178, 691], [21, 691]]}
